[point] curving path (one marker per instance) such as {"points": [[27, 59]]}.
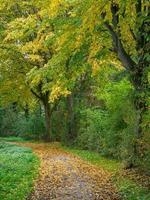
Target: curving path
{"points": [[64, 176]]}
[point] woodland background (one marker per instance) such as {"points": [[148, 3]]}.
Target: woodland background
{"points": [[78, 72]]}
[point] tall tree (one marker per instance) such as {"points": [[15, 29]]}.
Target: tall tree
{"points": [[33, 30], [119, 33], [27, 31]]}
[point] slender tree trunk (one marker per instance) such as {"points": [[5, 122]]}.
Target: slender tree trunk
{"points": [[47, 121], [26, 111], [71, 123], [47, 110], [14, 107], [44, 99]]}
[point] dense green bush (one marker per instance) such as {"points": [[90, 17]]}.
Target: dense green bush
{"points": [[92, 129], [110, 131], [59, 125], [16, 123], [7, 120], [31, 127], [144, 146]]}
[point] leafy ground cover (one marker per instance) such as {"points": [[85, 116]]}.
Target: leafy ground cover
{"points": [[64, 176], [18, 169], [128, 184], [63, 171]]}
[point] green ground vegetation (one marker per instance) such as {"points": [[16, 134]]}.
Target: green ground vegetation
{"points": [[18, 170]]}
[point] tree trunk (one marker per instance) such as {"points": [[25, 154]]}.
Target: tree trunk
{"points": [[47, 121], [14, 107], [141, 89], [140, 79], [44, 98], [138, 71], [26, 111], [70, 118]]}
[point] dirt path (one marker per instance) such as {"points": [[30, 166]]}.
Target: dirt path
{"points": [[64, 176]]}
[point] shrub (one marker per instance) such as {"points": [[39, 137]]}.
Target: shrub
{"points": [[110, 131], [15, 123]]}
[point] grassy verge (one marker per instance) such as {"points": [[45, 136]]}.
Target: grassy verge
{"points": [[18, 170], [128, 189], [14, 139], [97, 159]]}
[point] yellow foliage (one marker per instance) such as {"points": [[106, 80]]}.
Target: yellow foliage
{"points": [[57, 91], [35, 58]]}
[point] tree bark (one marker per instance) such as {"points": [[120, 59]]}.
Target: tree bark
{"points": [[70, 118], [47, 122], [14, 107], [26, 111], [118, 47], [47, 110], [140, 75]]}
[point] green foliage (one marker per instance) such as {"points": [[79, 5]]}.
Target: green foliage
{"points": [[59, 126], [16, 123], [8, 119], [31, 127], [144, 162], [121, 122], [92, 129], [13, 139], [110, 131], [47, 51], [18, 167], [130, 190]]}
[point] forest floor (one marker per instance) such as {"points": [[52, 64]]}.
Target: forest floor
{"points": [[64, 176], [65, 173]]}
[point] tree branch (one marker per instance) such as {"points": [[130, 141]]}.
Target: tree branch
{"points": [[138, 7], [35, 94], [119, 49], [133, 34]]}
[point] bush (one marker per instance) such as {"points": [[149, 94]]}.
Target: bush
{"points": [[59, 127], [31, 127], [7, 120], [92, 129], [15, 123], [110, 131]]}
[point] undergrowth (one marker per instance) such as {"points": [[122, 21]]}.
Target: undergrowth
{"points": [[18, 170]]}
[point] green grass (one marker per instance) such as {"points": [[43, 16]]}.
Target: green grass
{"points": [[97, 159], [128, 189], [18, 169], [18, 139], [13, 139]]}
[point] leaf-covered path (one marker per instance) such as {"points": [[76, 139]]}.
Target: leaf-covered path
{"points": [[64, 176]]}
